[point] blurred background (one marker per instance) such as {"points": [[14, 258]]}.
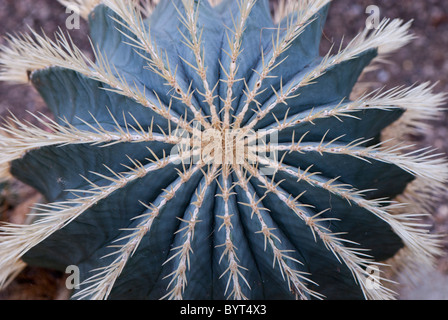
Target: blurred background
{"points": [[425, 59]]}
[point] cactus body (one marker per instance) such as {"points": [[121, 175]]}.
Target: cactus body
{"points": [[302, 214]]}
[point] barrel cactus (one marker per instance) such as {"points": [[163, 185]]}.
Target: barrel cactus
{"points": [[208, 151]]}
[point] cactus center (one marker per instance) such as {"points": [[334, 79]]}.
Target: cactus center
{"points": [[224, 146]]}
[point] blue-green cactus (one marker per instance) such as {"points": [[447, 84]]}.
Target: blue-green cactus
{"points": [[209, 152]]}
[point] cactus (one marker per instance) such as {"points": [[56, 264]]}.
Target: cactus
{"points": [[209, 152]]}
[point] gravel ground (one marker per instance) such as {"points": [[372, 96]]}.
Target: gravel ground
{"points": [[426, 59]]}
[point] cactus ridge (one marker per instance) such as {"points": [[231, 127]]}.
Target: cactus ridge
{"points": [[155, 186]]}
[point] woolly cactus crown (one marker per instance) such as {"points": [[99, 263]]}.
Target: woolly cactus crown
{"points": [[209, 152]]}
